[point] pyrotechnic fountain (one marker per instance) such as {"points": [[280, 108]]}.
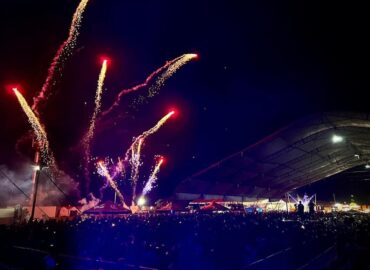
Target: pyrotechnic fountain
{"points": [[153, 177], [132, 157]]}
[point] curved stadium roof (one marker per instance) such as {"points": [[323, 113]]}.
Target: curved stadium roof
{"points": [[292, 157]]}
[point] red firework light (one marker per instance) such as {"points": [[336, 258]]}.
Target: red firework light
{"points": [[173, 111], [162, 159], [104, 58], [11, 87], [197, 56]]}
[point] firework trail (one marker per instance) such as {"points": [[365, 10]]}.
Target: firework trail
{"points": [[90, 132], [182, 60], [135, 164], [38, 129], [172, 66], [104, 171], [140, 139], [64, 50], [153, 177], [135, 150], [118, 169], [149, 132]]}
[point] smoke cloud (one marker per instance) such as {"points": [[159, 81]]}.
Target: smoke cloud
{"points": [[48, 193]]}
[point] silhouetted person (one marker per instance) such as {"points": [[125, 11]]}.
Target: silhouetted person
{"points": [[300, 208], [311, 207]]}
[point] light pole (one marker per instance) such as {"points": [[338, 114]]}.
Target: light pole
{"points": [[34, 196], [35, 179]]}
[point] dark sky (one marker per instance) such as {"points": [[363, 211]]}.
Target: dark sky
{"points": [[263, 64]]}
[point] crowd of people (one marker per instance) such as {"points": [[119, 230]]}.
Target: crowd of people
{"points": [[189, 241]]}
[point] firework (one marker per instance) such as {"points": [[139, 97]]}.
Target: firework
{"points": [[140, 139], [90, 132], [135, 150], [141, 201], [133, 154], [38, 129], [182, 60], [153, 176], [102, 169], [135, 164], [120, 168], [64, 50], [99, 90], [159, 124], [172, 67]]}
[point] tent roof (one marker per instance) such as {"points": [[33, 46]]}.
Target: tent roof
{"points": [[213, 206], [107, 208], [292, 157]]}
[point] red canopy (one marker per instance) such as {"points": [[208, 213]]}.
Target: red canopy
{"points": [[206, 200], [213, 206], [173, 206]]}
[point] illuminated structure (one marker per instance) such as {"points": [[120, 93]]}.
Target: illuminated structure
{"points": [[306, 151]]}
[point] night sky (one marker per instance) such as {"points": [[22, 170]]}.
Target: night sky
{"points": [[262, 65]]}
